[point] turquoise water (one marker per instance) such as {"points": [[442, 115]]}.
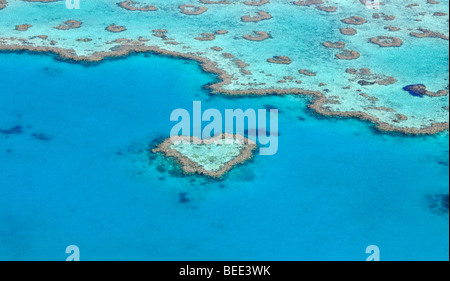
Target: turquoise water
{"points": [[295, 31], [78, 173]]}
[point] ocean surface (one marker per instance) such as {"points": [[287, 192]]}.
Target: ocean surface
{"points": [[75, 170]]}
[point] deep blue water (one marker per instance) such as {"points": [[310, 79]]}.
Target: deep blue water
{"points": [[76, 173]]}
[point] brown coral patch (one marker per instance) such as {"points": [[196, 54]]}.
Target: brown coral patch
{"points": [[192, 10], [23, 27], [383, 16], [206, 37], [256, 2], [70, 24], [392, 28], [348, 55], [280, 60], [221, 32], [386, 41], [336, 45], [307, 72], [355, 20], [428, 33], [135, 6], [242, 65], [308, 2], [3, 4], [348, 31], [421, 90], [365, 77], [84, 40], [215, 2], [257, 36], [401, 117], [43, 37], [261, 16], [115, 28], [328, 9]]}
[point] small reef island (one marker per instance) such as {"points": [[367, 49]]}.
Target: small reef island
{"points": [[212, 157]]}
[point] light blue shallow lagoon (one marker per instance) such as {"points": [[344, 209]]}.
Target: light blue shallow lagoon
{"points": [[77, 172]]}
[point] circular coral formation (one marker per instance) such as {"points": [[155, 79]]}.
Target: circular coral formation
{"points": [[115, 28], [348, 55], [23, 27], [386, 41], [261, 16], [192, 10], [335, 45], [355, 20], [259, 36], [70, 24], [136, 6], [348, 31], [280, 60]]}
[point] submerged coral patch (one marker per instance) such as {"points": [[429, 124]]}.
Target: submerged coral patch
{"points": [[420, 90], [355, 20], [280, 60], [3, 4], [423, 33], [348, 55], [136, 6], [16, 130], [115, 28], [439, 203], [23, 27], [348, 31], [261, 15], [69, 24], [192, 10], [256, 2], [386, 41], [258, 36]]}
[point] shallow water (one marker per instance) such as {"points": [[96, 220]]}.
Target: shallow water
{"points": [[78, 173]]}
